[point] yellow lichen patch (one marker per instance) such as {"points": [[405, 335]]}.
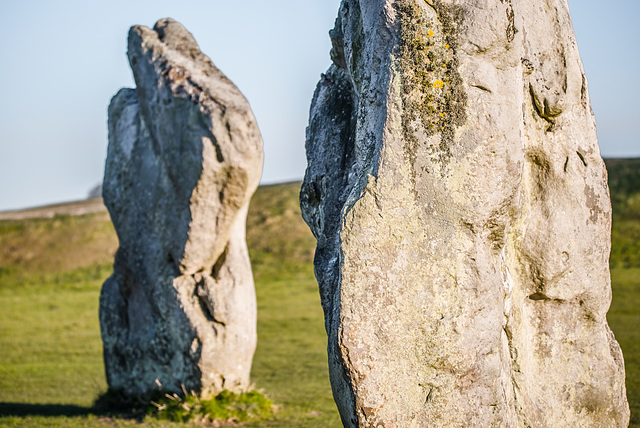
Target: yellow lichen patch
{"points": [[432, 95]]}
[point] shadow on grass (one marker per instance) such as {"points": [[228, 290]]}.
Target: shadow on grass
{"points": [[21, 409], [108, 405]]}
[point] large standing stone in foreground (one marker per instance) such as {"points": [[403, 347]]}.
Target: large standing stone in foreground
{"points": [[184, 158], [462, 214]]}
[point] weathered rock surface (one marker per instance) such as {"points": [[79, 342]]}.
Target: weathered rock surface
{"points": [[461, 208], [184, 158]]}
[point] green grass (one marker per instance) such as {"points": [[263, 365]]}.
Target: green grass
{"points": [[48, 336], [51, 270], [625, 235], [624, 319]]}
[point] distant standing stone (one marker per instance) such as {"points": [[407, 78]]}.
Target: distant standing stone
{"points": [[184, 158], [461, 208]]}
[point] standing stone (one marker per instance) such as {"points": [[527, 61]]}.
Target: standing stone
{"points": [[461, 208], [184, 158]]}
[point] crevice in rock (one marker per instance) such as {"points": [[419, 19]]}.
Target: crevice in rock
{"points": [[215, 271], [482, 88], [207, 306], [581, 156], [428, 395], [214, 142], [538, 296], [204, 307]]}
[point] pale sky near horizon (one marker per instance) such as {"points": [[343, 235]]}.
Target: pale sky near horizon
{"points": [[63, 61]]}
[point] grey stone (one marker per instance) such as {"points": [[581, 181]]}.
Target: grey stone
{"points": [[462, 214], [184, 158]]}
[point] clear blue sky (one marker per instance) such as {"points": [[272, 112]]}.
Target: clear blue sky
{"points": [[62, 61]]}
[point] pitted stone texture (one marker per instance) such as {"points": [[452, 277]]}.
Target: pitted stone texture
{"points": [[461, 208], [184, 158]]}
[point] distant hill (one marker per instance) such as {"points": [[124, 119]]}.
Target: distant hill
{"points": [[62, 237], [88, 206]]}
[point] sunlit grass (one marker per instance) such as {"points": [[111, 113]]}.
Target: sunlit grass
{"points": [[624, 319], [51, 368]]}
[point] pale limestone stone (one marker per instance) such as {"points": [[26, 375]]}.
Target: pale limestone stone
{"points": [[184, 158], [461, 208]]}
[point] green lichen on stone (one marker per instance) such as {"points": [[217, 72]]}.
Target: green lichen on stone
{"points": [[432, 94]]}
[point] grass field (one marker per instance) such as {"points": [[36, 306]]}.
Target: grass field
{"points": [[51, 270]]}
